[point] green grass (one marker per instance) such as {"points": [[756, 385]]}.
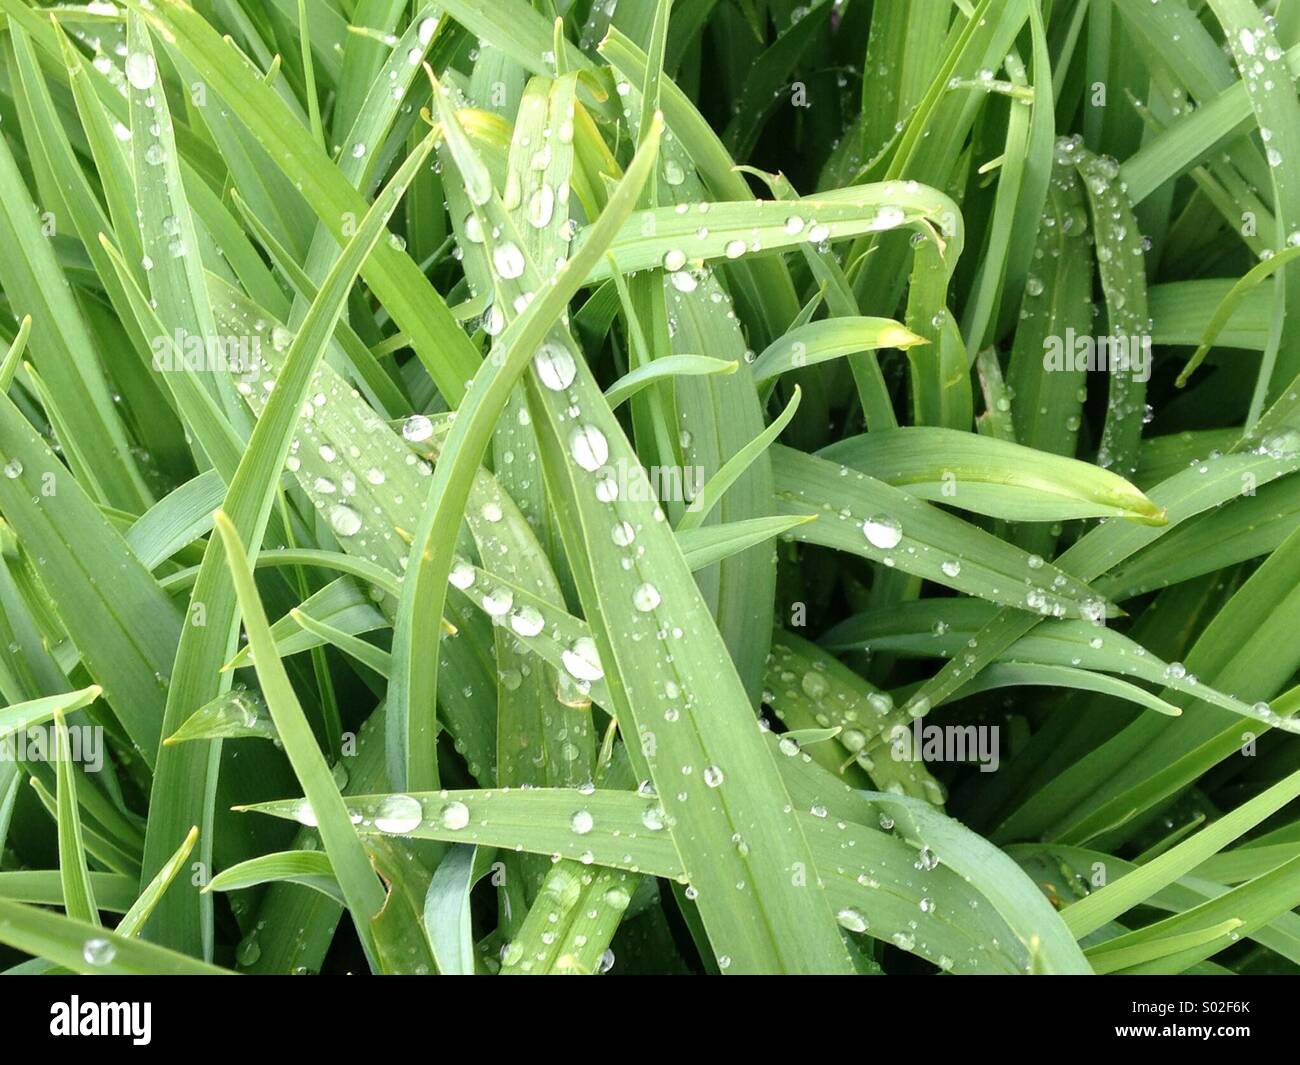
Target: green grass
{"points": [[657, 524]]}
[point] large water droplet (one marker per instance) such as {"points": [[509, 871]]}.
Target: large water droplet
{"points": [[527, 621], [882, 531], [589, 447], [454, 816], [541, 208], [582, 660], [555, 366], [141, 70], [398, 814], [498, 602], [646, 597], [417, 428], [98, 951], [344, 520], [509, 260]]}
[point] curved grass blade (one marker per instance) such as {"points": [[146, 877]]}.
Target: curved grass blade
{"points": [[991, 476], [669, 366], [352, 868], [88, 949], [208, 640], [310, 868], [78, 897]]}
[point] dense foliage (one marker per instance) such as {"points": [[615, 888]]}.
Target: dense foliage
{"points": [[577, 486]]}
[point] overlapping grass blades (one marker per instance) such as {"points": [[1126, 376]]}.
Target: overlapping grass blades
{"points": [[693, 522]]}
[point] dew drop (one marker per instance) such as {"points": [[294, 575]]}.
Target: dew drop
{"points": [[589, 447], [646, 597], [344, 520], [141, 70], [582, 660], [98, 951], [498, 601], [882, 531], [509, 260], [398, 814], [541, 208], [527, 621], [417, 428], [555, 366], [454, 816]]}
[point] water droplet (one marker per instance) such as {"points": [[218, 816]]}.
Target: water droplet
{"points": [[646, 597], [582, 660], [589, 448], [509, 260], [712, 776], [454, 816], [498, 601], [527, 621], [581, 822], [248, 950], [555, 366], [141, 70], [882, 531], [417, 428], [98, 951], [398, 814], [541, 208], [344, 520], [852, 919], [13, 468]]}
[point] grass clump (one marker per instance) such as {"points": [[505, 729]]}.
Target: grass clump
{"points": [[579, 487]]}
